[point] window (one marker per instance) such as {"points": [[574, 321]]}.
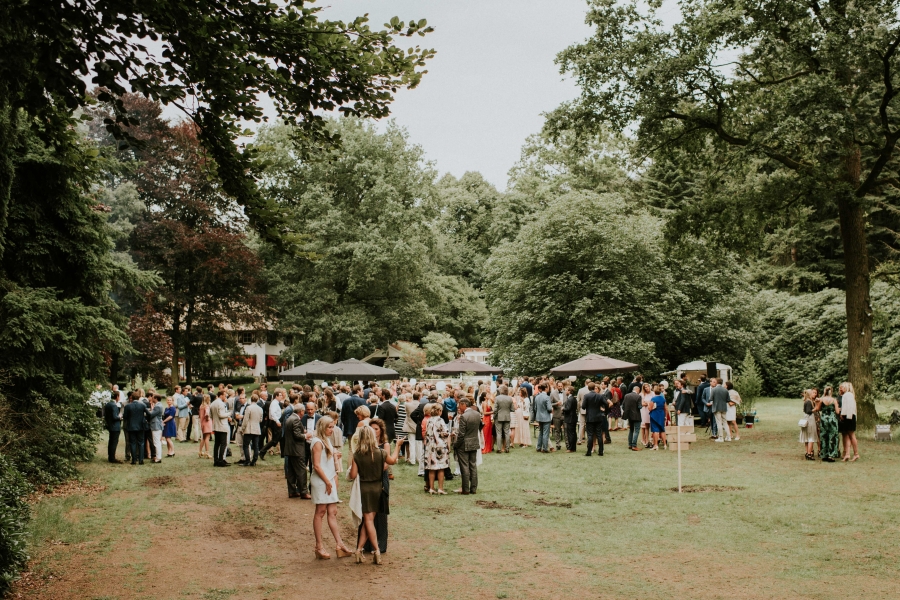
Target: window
{"points": [[246, 337], [272, 338], [289, 339]]}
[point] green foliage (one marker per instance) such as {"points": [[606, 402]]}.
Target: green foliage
{"points": [[749, 383], [803, 340], [411, 361], [372, 275], [439, 347], [304, 64], [14, 517], [568, 285]]}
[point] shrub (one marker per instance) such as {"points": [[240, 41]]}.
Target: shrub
{"points": [[749, 383], [14, 517]]}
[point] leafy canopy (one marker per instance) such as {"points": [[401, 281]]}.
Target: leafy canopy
{"points": [[213, 60]]}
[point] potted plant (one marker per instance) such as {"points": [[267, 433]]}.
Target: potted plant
{"points": [[748, 384]]}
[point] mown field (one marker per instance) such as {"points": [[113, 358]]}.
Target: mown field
{"points": [[769, 525]]}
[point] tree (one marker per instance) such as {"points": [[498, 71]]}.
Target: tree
{"points": [[369, 275], [806, 92], [749, 383], [439, 347], [216, 59], [556, 297], [411, 361]]}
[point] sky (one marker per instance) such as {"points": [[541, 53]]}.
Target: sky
{"points": [[492, 77]]}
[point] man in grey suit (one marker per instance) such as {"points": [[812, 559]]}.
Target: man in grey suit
{"points": [[466, 445], [542, 411], [250, 431], [503, 407], [719, 398], [557, 401]]}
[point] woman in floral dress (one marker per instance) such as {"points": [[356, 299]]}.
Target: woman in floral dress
{"points": [[437, 451]]}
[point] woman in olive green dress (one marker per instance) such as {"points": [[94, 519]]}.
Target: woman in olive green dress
{"points": [[828, 410], [369, 463]]}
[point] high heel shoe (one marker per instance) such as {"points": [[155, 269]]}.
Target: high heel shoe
{"points": [[377, 558], [322, 555], [442, 493], [342, 552], [432, 492], [855, 458], [845, 459], [358, 555]]}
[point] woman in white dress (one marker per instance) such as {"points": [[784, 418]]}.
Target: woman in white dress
{"points": [[323, 486], [646, 401]]}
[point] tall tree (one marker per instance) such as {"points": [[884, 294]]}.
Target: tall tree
{"points": [[807, 91], [213, 60], [371, 276]]}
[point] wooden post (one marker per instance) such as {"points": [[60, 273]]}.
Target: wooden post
{"points": [[678, 429]]}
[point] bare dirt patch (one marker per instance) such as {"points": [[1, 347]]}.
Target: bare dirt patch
{"points": [[69, 488], [493, 504], [691, 489], [159, 482], [558, 503]]}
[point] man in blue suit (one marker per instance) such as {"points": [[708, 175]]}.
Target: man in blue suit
{"points": [[114, 427], [135, 417], [349, 420], [542, 411]]}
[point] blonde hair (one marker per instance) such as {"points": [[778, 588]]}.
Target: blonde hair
{"points": [[366, 442], [321, 426], [362, 412], [849, 387], [436, 410]]}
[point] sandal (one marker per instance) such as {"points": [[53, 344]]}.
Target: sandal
{"points": [[442, 492], [855, 458]]}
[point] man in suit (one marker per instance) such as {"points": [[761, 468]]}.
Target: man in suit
{"points": [[114, 427], [542, 412], [295, 455], [557, 401], [466, 445], [608, 397], [387, 412], [719, 398], [594, 405], [582, 426], [701, 405], [503, 408], [683, 405], [135, 418], [273, 418], [349, 420], [570, 413], [631, 412], [250, 431], [218, 410]]}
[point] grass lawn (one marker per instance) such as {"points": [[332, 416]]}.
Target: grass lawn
{"points": [[559, 525]]}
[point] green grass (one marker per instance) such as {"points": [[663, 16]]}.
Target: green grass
{"points": [[791, 528]]}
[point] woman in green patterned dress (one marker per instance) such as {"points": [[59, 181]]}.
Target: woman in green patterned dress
{"points": [[828, 408]]}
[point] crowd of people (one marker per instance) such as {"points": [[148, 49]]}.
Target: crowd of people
{"points": [[828, 423], [308, 427]]}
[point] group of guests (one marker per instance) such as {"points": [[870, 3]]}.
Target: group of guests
{"points": [[827, 420], [143, 420]]}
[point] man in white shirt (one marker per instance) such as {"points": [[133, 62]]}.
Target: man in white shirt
{"points": [[275, 421], [582, 412], [219, 412]]}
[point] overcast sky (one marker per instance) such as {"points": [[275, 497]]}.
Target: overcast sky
{"points": [[491, 79]]}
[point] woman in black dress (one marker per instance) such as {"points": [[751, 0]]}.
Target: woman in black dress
{"points": [[369, 464]]}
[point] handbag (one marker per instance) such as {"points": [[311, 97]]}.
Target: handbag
{"points": [[803, 422]]}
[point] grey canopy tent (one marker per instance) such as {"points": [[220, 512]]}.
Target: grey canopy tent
{"points": [[298, 373], [353, 370], [462, 365], [592, 364]]}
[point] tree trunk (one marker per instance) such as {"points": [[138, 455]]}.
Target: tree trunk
{"points": [[175, 335], [188, 342], [859, 308]]}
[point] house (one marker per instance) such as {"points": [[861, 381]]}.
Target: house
{"points": [[477, 354], [261, 350]]}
